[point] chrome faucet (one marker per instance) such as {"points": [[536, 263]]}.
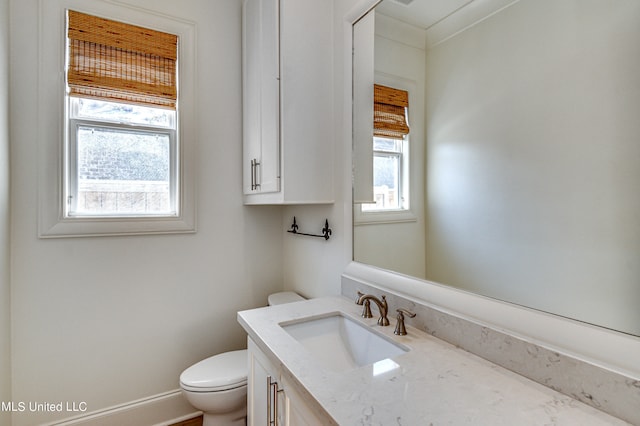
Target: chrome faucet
{"points": [[364, 299]]}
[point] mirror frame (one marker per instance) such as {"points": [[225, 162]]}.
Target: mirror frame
{"points": [[607, 348]]}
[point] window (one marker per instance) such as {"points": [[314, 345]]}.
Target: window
{"points": [[118, 167], [389, 182], [390, 151], [86, 115], [121, 144]]}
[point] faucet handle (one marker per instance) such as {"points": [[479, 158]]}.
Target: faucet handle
{"points": [[400, 328], [366, 310]]}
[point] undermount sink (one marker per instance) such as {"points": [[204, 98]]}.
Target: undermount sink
{"points": [[339, 343]]}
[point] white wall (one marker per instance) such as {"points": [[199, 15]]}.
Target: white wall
{"points": [[5, 293], [506, 164], [113, 319]]}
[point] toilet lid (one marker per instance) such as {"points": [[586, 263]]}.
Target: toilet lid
{"points": [[220, 372]]}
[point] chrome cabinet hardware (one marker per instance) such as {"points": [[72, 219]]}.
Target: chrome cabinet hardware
{"points": [[400, 328], [272, 401], [254, 174]]}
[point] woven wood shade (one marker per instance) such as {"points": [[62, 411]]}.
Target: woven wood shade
{"points": [[389, 112], [112, 60]]}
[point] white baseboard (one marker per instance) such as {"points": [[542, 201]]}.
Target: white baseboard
{"points": [[158, 410]]}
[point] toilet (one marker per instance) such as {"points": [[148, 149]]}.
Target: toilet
{"points": [[217, 386]]}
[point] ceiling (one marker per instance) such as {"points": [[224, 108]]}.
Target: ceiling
{"points": [[421, 13]]}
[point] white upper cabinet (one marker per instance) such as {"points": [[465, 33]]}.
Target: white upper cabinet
{"points": [[288, 126]]}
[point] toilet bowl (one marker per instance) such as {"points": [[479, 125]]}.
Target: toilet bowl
{"points": [[217, 386]]}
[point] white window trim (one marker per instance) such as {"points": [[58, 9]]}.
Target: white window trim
{"points": [[381, 217], [51, 124]]}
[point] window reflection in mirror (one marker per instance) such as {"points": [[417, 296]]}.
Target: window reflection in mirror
{"points": [[390, 159]]}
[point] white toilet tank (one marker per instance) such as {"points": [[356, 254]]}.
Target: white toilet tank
{"points": [[283, 297]]}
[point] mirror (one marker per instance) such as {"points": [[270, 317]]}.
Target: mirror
{"points": [[523, 159]]}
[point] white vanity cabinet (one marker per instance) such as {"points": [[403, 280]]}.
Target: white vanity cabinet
{"points": [[271, 399], [287, 102]]}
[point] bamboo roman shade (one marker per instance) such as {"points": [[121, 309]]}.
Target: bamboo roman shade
{"points": [[112, 60], [389, 112]]}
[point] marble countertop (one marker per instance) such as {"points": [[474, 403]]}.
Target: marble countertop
{"points": [[434, 383]]}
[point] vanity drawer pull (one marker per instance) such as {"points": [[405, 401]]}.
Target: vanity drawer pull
{"points": [[272, 398]]}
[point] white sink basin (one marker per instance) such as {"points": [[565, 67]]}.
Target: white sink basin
{"points": [[340, 343]]}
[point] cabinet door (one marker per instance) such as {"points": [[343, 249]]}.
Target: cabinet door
{"points": [[363, 79], [297, 412], [261, 96], [257, 394], [265, 395]]}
